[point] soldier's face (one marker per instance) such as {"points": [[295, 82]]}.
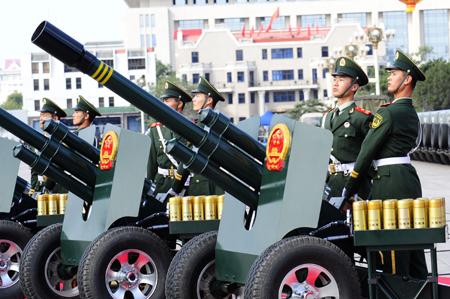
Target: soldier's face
{"points": [[340, 85], [394, 80], [172, 103], [78, 117], [199, 101], [43, 117]]}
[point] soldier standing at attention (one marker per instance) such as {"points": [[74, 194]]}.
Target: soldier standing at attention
{"points": [[48, 111], [205, 96], [349, 125], [162, 166], [392, 137]]}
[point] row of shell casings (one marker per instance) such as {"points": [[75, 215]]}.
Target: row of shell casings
{"points": [[189, 208], [51, 204], [399, 214]]}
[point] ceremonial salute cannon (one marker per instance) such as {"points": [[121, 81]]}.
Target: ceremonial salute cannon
{"points": [[277, 236]]}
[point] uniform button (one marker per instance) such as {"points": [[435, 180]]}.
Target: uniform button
{"points": [[331, 149], [345, 135], [197, 181], [378, 177]]}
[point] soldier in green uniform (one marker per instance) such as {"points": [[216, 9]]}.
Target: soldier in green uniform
{"points": [[48, 111], [205, 96], [349, 125], [392, 137], [84, 115], [162, 166]]}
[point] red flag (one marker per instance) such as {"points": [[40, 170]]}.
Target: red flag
{"points": [[290, 29], [298, 30], [275, 15], [261, 28], [243, 30], [252, 31], [309, 31]]}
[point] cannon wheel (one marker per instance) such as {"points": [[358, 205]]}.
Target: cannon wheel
{"points": [[302, 267], [124, 262], [192, 270], [42, 273], [13, 239]]}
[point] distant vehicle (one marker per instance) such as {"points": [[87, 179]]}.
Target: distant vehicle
{"points": [[312, 118]]}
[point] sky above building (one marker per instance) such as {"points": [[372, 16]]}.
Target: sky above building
{"points": [[85, 20]]}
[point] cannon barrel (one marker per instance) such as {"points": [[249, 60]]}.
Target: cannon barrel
{"points": [[61, 132], [222, 125], [45, 167], [72, 53], [199, 164], [61, 155]]}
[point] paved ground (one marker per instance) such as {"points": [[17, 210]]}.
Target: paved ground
{"points": [[435, 180]]}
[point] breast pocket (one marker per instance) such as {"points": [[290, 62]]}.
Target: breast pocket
{"points": [[347, 132]]}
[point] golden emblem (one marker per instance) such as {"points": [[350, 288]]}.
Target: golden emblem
{"points": [[278, 146], [108, 151], [166, 86], [377, 120], [396, 55], [342, 62]]}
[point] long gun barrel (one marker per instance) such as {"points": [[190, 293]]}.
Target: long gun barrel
{"points": [[72, 53], [45, 167], [60, 155]]}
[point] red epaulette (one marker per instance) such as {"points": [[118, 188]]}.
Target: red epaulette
{"points": [[366, 112], [157, 124], [385, 105]]}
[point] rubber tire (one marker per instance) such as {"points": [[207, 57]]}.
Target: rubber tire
{"points": [[275, 262], [91, 273], [187, 265], [20, 235], [32, 268]]}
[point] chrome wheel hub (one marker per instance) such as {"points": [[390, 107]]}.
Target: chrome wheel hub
{"points": [[308, 281], [131, 271], [62, 286], [10, 255]]}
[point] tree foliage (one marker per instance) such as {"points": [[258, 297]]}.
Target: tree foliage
{"points": [[309, 106], [13, 101]]}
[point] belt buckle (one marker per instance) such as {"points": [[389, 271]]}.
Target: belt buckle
{"points": [[332, 168], [171, 172]]}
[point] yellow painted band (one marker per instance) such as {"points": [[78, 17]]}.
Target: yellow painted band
{"points": [[98, 70], [107, 76], [105, 70], [394, 268]]}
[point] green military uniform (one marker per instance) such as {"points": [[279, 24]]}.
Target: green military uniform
{"points": [[162, 167], [85, 106], [198, 184], [392, 136], [349, 125], [48, 107]]}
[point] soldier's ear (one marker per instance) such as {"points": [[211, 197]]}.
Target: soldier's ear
{"points": [[210, 102]]}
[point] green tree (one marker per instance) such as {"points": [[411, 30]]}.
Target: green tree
{"points": [[309, 106], [13, 101], [434, 92]]}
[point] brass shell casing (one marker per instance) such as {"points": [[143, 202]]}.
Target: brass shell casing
{"points": [[390, 214], [419, 212], [186, 208], [220, 200], [211, 207], [198, 207], [175, 208], [359, 215], [42, 202], [374, 214], [62, 203], [53, 204], [404, 213]]}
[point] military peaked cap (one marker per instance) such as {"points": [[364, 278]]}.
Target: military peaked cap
{"points": [[205, 87], [346, 67], [85, 106], [50, 107], [404, 63], [173, 91]]}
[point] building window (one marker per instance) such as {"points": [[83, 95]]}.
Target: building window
{"points": [[111, 101], [314, 75], [398, 21], [46, 67], [282, 53], [325, 93], [136, 63], [191, 24], [369, 49], [35, 84], [436, 39], [78, 83], [37, 105], [179, 2], [132, 77], [264, 54], [241, 118], [184, 77], [252, 98], [239, 55], [68, 83], [35, 68], [240, 77], [325, 51], [232, 119], [100, 85], [194, 57], [229, 77], [251, 78], [313, 21], [109, 62], [279, 75], [284, 96], [265, 76], [195, 78], [207, 76], [234, 24], [354, 17], [230, 98], [278, 23], [266, 97], [324, 72], [46, 84], [101, 102], [69, 103], [302, 95], [300, 74], [69, 69], [314, 93], [241, 98]]}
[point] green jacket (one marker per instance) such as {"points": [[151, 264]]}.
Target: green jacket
{"points": [[349, 129], [393, 133]]}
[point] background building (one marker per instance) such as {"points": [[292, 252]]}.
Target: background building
{"points": [[257, 42], [45, 76], [10, 78]]}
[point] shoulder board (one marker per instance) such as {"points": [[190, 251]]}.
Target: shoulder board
{"points": [[385, 105], [366, 112], [157, 124]]}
